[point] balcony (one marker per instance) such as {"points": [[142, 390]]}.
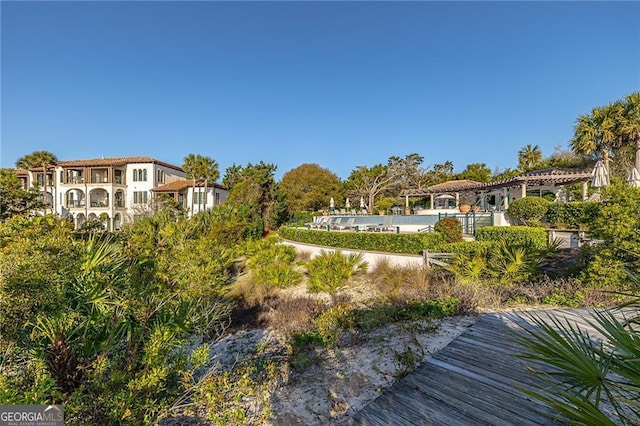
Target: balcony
{"points": [[74, 204], [99, 176], [74, 180], [99, 203]]}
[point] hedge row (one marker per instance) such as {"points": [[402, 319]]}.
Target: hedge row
{"points": [[572, 215], [467, 248], [513, 235], [391, 243]]}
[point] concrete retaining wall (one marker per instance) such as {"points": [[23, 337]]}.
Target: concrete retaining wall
{"points": [[369, 256]]}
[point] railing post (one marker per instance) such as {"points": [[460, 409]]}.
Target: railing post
{"points": [[425, 259]]}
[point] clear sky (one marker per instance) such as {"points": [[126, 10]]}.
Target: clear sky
{"points": [[339, 84]]}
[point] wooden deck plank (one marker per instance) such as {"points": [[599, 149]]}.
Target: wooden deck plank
{"points": [[514, 369], [483, 402], [477, 379]]}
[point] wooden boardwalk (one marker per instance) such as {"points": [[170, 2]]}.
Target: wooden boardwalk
{"points": [[475, 380]]}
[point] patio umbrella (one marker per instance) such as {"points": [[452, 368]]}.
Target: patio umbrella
{"points": [[332, 204], [600, 175], [362, 205], [347, 204], [445, 197], [634, 178]]}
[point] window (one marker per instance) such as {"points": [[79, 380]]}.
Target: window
{"points": [[139, 175], [198, 198], [140, 197], [159, 176], [217, 198]]}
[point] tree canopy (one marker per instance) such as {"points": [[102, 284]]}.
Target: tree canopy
{"points": [[36, 159], [478, 172], [611, 132], [309, 188], [529, 157], [254, 188], [14, 200]]}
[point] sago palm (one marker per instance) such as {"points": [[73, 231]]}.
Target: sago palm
{"points": [[589, 381]]}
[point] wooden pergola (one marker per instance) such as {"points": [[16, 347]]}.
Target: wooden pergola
{"points": [[538, 178]]}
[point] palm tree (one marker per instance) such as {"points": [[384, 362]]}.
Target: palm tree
{"points": [[42, 159], [598, 132], [209, 170], [199, 167], [529, 157], [630, 125], [190, 166]]}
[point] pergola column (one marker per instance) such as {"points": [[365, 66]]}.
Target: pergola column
{"points": [[523, 188], [505, 197], [431, 199], [585, 190]]}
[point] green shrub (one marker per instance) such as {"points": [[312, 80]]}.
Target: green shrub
{"points": [[499, 262], [331, 270], [617, 224], [410, 310], [513, 235], [266, 251], [102, 325], [513, 263], [469, 269], [528, 209], [277, 275], [390, 243], [271, 265], [331, 323], [300, 219], [451, 228], [467, 248], [572, 215]]}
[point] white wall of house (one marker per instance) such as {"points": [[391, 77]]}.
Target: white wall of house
{"points": [[214, 197], [137, 193], [139, 196]]}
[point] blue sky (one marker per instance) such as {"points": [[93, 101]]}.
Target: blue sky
{"points": [[339, 84]]}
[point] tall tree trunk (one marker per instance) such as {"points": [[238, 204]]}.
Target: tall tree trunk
{"points": [[193, 196], [44, 186], [206, 182], [638, 152]]}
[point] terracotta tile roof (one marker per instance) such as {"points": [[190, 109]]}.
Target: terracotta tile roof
{"points": [[21, 172], [454, 185], [534, 178], [544, 177], [115, 161], [181, 185]]}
